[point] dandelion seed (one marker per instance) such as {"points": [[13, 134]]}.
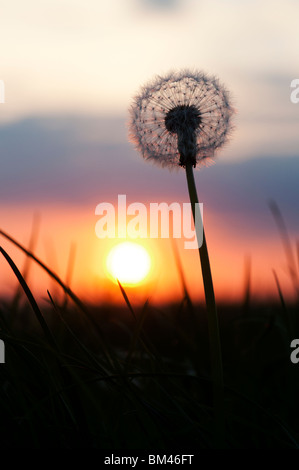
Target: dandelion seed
{"points": [[189, 111]]}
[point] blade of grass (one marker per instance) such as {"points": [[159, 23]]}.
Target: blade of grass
{"points": [[70, 269], [181, 273], [286, 244], [247, 285], [91, 357], [54, 276], [288, 319], [124, 294], [30, 298], [67, 290], [26, 268], [137, 334]]}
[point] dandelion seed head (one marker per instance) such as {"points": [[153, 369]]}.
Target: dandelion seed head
{"points": [[179, 118]]}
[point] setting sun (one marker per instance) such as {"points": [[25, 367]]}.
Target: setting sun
{"points": [[128, 262]]}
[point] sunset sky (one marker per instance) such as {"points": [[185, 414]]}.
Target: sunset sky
{"points": [[71, 69]]}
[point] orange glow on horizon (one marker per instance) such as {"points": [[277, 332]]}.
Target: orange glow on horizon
{"points": [[60, 227]]}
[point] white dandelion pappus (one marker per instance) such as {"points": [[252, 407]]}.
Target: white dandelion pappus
{"points": [[180, 118]]}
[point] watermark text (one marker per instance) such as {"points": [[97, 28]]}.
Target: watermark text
{"points": [[157, 220], [2, 352], [294, 97]]}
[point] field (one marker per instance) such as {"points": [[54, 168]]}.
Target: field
{"points": [[105, 377]]}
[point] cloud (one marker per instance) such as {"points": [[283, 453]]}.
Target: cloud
{"points": [[162, 3], [65, 161]]}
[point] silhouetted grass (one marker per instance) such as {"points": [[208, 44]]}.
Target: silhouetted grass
{"points": [[139, 377]]}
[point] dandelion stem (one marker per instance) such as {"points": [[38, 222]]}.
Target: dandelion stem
{"points": [[213, 327]]}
